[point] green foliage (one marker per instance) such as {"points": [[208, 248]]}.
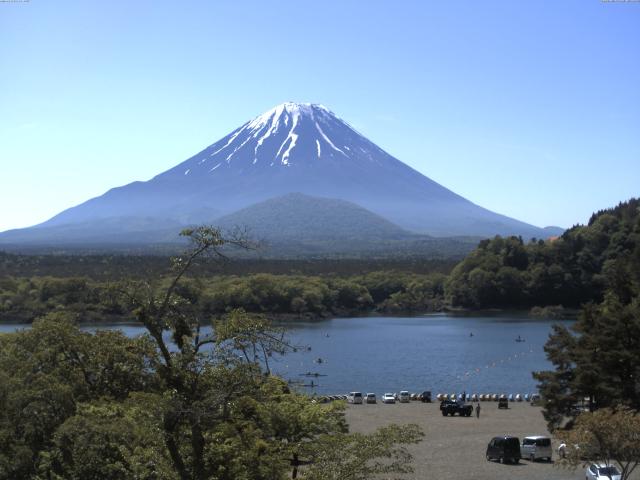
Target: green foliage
{"points": [[557, 386], [608, 436], [293, 295], [599, 358], [107, 439], [571, 270], [48, 371], [360, 456], [76, 405]]}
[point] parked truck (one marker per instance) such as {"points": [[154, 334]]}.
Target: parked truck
{"points": [[451, 407]]}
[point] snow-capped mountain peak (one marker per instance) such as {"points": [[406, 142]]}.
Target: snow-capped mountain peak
{"points": [[286, 111], [289, 134]]}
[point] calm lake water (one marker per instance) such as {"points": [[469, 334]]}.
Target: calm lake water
{"points": [[431, 352]]}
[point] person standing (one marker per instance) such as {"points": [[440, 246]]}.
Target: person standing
{"points": [[562, 450], [478, 410]]}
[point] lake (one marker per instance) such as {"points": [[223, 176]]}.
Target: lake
{"points": [[430, 352]]}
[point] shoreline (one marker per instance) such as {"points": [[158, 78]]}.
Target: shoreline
{"points": [[312, 318]]}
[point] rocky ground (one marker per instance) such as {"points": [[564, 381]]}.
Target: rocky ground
{"points": [[454, 447]]}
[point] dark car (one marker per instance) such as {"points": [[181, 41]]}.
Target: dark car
{"points": [[504, 449], [503, 403], [451, 407], [425, 397]]}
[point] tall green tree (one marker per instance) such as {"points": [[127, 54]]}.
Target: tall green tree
{"points": [[173, 404]]}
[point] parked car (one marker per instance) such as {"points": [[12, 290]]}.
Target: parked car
{"points": [[503, 403], [404, 397], [600, 471], [535, 399], [425, 397], [536, 447], [388, 398], [451, 407], [354, 397], [504, 449], [370, 398]]}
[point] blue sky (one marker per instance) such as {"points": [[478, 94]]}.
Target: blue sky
{"points": [[531, 109]]}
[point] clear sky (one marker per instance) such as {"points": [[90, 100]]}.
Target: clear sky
{"points": [[528, 108]]}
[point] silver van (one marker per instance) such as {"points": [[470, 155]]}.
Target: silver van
{"points": [[536, 447], [354, 397]]}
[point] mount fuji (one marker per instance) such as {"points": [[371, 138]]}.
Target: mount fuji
{"points": [[292, 148]]}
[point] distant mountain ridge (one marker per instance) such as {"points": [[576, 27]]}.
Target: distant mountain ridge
{"points": [[291, 148]]}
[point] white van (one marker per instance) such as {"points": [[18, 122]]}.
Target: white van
{"points": [[354, 397], [536, 447], [404, 396]]}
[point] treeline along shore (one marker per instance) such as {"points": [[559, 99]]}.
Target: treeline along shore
{"points": [[545, 275], [23, 299]]}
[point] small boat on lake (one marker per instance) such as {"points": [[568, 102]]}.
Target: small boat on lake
{"points": [[519, 339]]}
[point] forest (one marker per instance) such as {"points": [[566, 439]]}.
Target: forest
{"points": [[571, 270], [172, 404], [175, 404], [504, 273], [591, 392], [23, 299]]}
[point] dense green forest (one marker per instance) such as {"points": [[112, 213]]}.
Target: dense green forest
{"points": [[24, 299], [570, 270], [75, 405], [576, 268], [119, 267], [172, 404], [598, 357]]}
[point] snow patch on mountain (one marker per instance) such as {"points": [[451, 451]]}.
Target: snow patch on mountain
{"points": [[281, 128]]}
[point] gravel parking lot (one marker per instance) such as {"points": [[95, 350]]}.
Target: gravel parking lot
{"points": [[454, 447]]}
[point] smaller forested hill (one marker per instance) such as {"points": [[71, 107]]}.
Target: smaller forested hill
{"points": [[570, 270], [297, 216]]}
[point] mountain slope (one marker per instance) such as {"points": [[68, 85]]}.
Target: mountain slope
{"points": [[293, 148], [302, 217], [300, 225]]}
